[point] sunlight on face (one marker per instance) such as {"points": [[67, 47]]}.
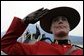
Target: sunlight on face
{"points": [[60, 25]]}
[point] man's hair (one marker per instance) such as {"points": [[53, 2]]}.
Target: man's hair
{"points": [[56, 18]]}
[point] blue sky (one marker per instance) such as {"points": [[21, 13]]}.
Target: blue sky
{"points": [[9, 9]]}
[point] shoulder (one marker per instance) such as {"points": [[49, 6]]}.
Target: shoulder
{"points": [[77, 50], [78, 47], [41, 42]]}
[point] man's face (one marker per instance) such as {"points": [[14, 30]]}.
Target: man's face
{"points": [[60, 26]]}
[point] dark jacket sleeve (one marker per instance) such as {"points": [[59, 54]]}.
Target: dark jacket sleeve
{"points": [[9, 43]]}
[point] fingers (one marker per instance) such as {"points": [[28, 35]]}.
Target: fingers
{"points": [[40, 9], [45, 11]]}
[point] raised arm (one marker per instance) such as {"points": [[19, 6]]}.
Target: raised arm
{"points": [[9, 43]]}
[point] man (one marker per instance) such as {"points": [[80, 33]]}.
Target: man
{"points": [[58, 21]]}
